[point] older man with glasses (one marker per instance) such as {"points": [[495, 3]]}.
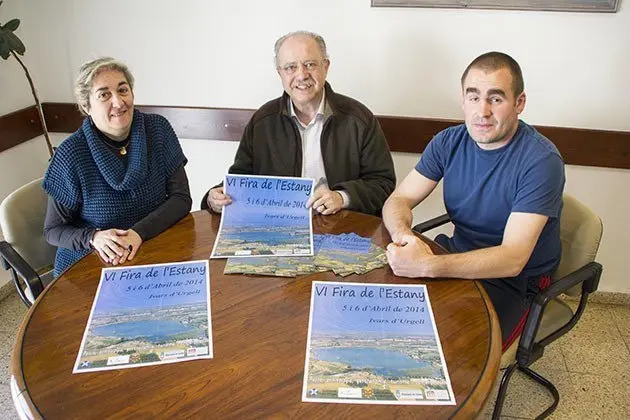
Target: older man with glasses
{"points": [[313, 132]]}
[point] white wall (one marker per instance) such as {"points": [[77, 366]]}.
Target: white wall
{"points": [[396, 61], [15, 92], [28, 160], [399, 61]]}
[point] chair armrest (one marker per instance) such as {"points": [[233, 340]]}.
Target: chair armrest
{"points": [[588, 275], [13, 261], [431, 223], [528, 349]]}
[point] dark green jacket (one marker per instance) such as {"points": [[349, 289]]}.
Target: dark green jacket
{"points": [[354, 150]]}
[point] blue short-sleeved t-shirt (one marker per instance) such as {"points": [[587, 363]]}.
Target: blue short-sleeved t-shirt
{"points": [[482, 188]]}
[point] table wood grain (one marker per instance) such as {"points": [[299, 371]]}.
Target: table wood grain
{"points": [[259, 328]]}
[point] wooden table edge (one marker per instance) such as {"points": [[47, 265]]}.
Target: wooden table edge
{"points": [[483, 388], [19, 391]]}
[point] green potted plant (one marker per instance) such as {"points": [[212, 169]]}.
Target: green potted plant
{"points": [[11, 45]]}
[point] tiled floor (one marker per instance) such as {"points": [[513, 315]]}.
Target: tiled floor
{"points": [[590, 367]]}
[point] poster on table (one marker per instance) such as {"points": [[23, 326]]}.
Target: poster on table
{"points": [[374, 344], [268, 216], [148, 315]]}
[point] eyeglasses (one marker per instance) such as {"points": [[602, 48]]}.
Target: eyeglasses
{"points": [[311, 65]]}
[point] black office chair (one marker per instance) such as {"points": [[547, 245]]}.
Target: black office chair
{"points": [[25, 252], [549, 317]]}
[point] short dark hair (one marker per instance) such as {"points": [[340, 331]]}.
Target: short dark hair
{"points": [[493, 61]]}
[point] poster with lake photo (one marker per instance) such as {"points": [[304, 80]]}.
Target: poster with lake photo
{"points": [[268, 216], [374, 344], [148, 315]]}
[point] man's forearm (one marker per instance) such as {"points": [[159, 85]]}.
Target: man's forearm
{"points": [[397, 215], [488, 263]]}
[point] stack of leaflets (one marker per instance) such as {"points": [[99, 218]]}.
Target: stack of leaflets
{"points": [[349, 253], [344, 254]]}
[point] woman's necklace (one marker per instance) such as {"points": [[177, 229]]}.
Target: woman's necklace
{"points": [[121, 149], [113, 144]]}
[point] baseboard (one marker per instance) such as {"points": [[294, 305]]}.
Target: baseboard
{"points": [[608, 298]]}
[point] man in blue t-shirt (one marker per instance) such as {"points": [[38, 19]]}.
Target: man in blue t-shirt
{"points": [[503, 184]]}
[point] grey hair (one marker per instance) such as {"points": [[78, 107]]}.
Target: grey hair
{"points": [[89, 71], [318, 38]]}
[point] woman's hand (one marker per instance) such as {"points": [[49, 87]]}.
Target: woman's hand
{"points": [[132, 241], [109, 245], [116, 246]]}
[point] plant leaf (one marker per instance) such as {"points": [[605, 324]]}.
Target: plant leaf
{"points": [[14, 43], [4, 45], [4, 51], [12, 25]]}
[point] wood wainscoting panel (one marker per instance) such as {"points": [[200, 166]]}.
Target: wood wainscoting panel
{"points": [[19, 127], [586, 147], [411, 135], [62, 117], [188, 122], [578, 146], [602, 148], [204, 123]]}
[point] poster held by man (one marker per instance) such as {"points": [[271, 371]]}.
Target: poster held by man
{"points": [[268, 216]]}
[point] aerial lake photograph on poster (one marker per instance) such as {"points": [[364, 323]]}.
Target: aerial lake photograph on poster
{"points": [[147, 335], [374, 344], [267, 216], [383, 367]]}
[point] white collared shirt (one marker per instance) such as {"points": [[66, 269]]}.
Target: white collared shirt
{"points": [[311, 134], [312, 159]]}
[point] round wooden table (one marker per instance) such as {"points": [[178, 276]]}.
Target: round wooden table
{"points": [[259, 328]]}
